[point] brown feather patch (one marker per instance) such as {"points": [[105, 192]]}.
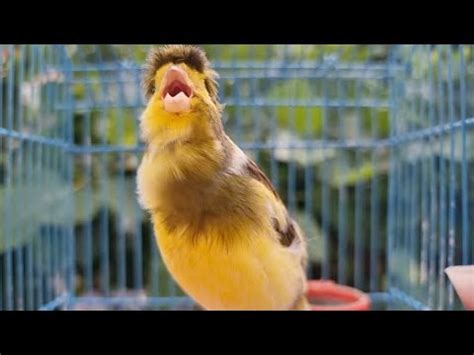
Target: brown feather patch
{"points": [[287, 233], [194, 57], [254, 171]]}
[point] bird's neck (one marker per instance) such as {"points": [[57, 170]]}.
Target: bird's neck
{"points": [[188, 170]]}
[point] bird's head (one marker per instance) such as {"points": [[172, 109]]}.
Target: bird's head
{"points": [[181, 90]]}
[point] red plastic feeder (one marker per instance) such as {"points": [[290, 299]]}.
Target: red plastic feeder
{"points": [[326, 295]]}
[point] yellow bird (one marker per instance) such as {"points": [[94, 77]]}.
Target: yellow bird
{"points": [[222, 230]]}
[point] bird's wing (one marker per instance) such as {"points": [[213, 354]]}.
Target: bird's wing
{"points": [[288, 231], [286, 227]]}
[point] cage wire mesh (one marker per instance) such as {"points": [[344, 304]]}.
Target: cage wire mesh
{"points": [[370, 147]]}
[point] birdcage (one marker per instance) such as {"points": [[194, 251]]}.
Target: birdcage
{"points": [[370, 147]]}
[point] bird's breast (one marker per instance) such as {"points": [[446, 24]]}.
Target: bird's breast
{"points": [[248, 272]]}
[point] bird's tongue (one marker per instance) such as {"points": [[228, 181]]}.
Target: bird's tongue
{"points": [[178, 103]]}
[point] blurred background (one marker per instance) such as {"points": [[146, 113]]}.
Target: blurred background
{"points": [[370, 146]]}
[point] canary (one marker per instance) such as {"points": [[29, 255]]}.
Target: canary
{"points": [[223, 232]]}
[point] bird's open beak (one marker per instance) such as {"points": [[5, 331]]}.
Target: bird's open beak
{"points": [[177, 90]]}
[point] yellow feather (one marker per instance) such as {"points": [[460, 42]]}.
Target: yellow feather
{"points": [[253, 273]]}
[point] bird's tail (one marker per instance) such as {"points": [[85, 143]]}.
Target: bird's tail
{"points": [[301, 305]]}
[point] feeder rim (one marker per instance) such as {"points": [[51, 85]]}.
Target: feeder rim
{"points": [[353, 298]]}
